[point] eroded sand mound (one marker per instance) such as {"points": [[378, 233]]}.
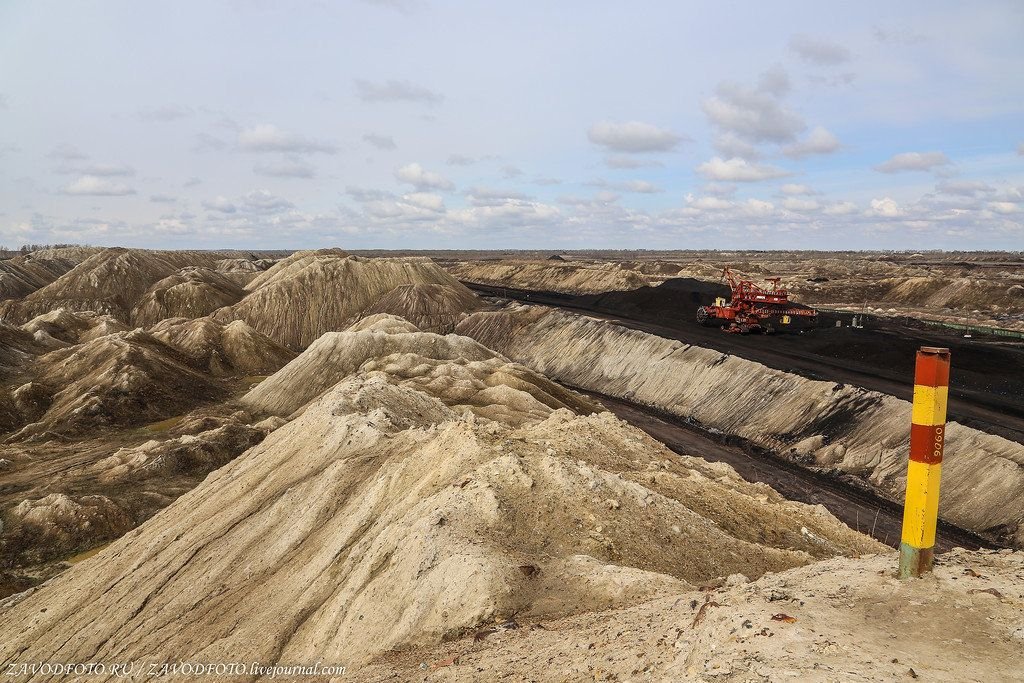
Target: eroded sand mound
{"points": [[111, 281], [22, 275], [456, 370], [59, 523], [231, 349], [311, 293], [115, 380], [431, 308], [16, 347], [189, 293], [391, 513], [62, 327], [241, 271], [573, 277], [820, 423], [837, 620], [65, 497]]}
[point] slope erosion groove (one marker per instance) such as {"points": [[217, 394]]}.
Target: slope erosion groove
{"points": [[824, 424], [420, 496]]}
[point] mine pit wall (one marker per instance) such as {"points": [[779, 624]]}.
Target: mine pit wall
{"points": [[824, 424]]}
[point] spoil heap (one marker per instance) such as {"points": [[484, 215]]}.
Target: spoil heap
{"points": [[825, 424], [431, 308], [111, 281], [190, 293], [231, 349], [310, 293], [115, 380], [416, 498]]}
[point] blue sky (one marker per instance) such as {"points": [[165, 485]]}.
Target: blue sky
{"points": [[429, 124]]}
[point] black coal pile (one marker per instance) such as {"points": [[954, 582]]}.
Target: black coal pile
{"points": [[672, 299]]}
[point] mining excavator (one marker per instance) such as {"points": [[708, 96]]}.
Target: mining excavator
{"points": [[754, 309]]}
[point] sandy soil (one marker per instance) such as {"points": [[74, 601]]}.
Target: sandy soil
{"points": [[837, 620]]}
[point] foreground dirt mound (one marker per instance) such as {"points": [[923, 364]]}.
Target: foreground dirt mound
{"points": [[385, 517], [190, 293], [431, 308], [823, 424], [310, 293], [231, 349], [837, 620], [115, 380], [111, 281]]}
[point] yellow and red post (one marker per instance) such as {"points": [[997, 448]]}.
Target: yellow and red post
{"points": [[927, 435]]}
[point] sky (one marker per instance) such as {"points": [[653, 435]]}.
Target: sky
{"points": [[431, 124]]}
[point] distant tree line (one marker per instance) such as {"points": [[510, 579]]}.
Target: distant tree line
{"points": [[28, 248]]}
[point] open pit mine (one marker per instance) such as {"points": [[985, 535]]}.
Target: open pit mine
{"points": [[343, 466]]}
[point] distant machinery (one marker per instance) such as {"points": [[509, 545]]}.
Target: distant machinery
{"points": [[753, 309]]}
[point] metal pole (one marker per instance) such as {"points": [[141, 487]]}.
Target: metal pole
{"points": [[927, 435]]}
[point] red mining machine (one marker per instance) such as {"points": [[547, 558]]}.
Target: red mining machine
{"points": [[753, 309]]}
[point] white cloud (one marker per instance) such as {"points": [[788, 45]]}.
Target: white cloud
{"points": [[818, 141], [626, 162], [221, 204], [509, 171], [396, 91], [67, 152], [913, 161], [818, 51], [757, 207], [466, 160], [269, 138], [719, 189], [754, 114], [795, 204], [162, 198], [104, 170], [5, 101], [1020, 149], [286, 168], [636, 186], [633, 137], [840, 209], [488, 196], [1005, 208], [421, 179], [380, 141], [192, 182], [964, 188], [425, 200], [730, 145], [708, 203], [739, 170], [884, 208], [97, 187], [163, 113], [263, 201], [794, 189]]}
